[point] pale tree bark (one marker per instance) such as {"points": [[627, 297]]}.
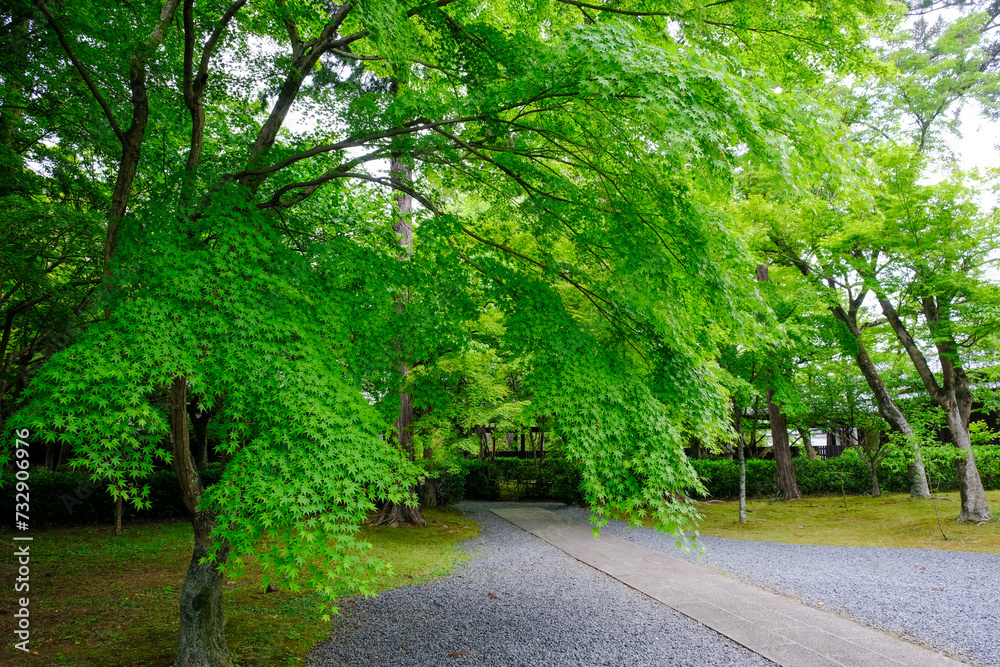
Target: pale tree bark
{"points": [[202, 640], [887, 407], [807, 443], [953, 395], [740, 456]]}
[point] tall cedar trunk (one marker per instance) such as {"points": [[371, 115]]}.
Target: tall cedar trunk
{"points": [[782, 450], [807, 443], [779, 432], [740, 442], [202, 641], [970, 486], [393, 514]]}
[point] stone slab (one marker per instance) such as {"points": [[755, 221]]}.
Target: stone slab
{"points": [[778, 628]]}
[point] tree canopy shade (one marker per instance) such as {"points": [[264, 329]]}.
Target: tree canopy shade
{"points": [[564, 156]]}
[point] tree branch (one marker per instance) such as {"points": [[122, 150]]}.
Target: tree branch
{"points": [[346, 143], [906, 340], [105, 107]]}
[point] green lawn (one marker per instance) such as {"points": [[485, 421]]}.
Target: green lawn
{"points": [[113, 602], [890, 521]]}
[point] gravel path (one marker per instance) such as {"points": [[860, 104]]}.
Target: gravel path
{"points": [[949, 600], [520, 601]]}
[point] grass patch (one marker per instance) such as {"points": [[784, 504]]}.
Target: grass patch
{"points": [[102, 601], [890, 521]]}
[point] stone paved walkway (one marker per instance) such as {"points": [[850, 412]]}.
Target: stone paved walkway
{"points": [[778, 628]]}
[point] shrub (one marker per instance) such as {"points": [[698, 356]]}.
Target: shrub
{"points": [[825, 477], [451, 488], [555, 478], [59, 498], [480, 484]]}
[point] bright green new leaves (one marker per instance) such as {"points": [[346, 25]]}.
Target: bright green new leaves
{"points": [[254, 328], [593, 143]]}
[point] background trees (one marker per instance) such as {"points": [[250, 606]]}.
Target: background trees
{"points": [[568, 162]]}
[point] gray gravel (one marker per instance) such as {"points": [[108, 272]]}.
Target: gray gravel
{"points": [[520, 601], [949, 600]]}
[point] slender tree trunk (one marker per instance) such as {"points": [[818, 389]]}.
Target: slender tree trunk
{"points": [[118, 515], [870, 441], [779, 432], [63, 463], [974, 506], [200, 424], [202, 641], [886, 405], [954, 397], [873, 469], [891, 413], [807, 443], [740, 441], [782, 450]]}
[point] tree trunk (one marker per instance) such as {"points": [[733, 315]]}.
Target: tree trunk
{"points": [[404, 422], [429, 492], [779, 432], [118, 515], [484, 446], [891, 413], [873, 469], [740, 441], [970, 486], [202, 641], [393, 514], [782, 450], [870, 441], [200, 423], [807, 443], [63, 463]]}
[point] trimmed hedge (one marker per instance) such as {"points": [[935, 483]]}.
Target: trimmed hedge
{"points": [[71, 498], [847, 473], [516, 479], [59, 498]]}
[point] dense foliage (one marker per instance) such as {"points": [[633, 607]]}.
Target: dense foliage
{"points": [[844, 474], [284, 226]]}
